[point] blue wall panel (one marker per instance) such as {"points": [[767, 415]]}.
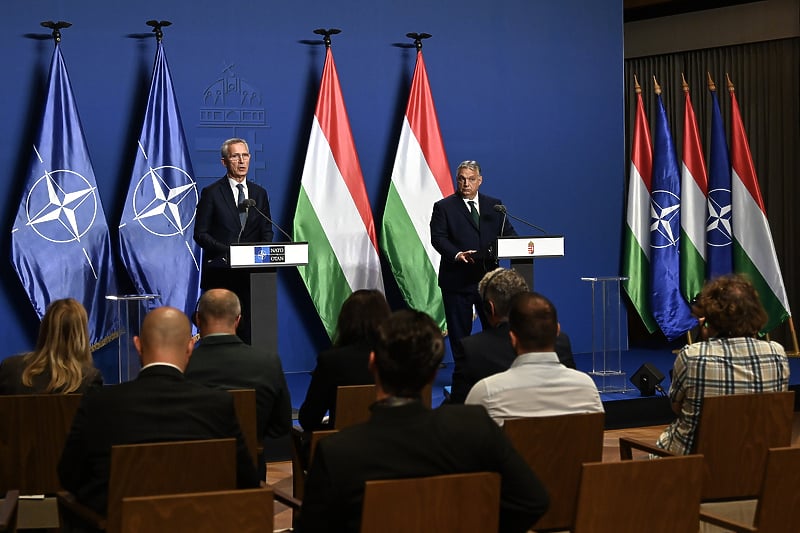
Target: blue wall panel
{"points": [[531, 89]]}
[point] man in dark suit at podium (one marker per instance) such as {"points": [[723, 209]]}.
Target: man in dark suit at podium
{"points": [[223, 218], [464, 230]]}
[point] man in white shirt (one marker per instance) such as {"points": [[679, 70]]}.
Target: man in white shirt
{"points": [[537, 384]]}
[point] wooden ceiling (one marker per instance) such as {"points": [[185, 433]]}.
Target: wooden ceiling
{"points": [[647, 9]]}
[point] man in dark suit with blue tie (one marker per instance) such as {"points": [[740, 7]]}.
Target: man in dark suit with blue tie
{"points": [[464, 230], [223, 219]]}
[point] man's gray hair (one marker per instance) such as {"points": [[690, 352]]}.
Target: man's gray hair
{"points": [[225, 150], [499, 286], [472, 165]]}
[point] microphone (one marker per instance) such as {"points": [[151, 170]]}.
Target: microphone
{"points": [[245, 206], [252, 203], [500, 208]]}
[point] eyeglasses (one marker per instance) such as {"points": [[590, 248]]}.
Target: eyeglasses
{"points": [[237, 157]]}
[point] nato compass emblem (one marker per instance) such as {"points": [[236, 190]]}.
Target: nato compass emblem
{"points": [[665, 222], [718, 225], [61, 206], [164, 201]]}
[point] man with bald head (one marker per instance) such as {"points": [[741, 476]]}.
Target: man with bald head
{"points": [[537, 384], [159, 405], [222, 360]]}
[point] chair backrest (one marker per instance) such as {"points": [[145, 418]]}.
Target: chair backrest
{"points": [[555, 447], [32, 435], [778, 507], [659, 495], [243, 511], [244, 402], [8, 511], [300, 464], [353, 402], [457, 503], [168, 468], [734, 434]]}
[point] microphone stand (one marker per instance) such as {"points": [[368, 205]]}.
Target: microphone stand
{"points": [[273, 223], [534, 226]]}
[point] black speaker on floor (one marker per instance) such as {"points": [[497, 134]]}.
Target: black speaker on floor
{"points": [[646, 379]]}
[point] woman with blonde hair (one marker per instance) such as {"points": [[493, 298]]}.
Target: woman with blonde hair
{"points": [[62, 360]]}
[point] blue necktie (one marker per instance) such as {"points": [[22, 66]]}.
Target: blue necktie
{"points": [[239, 200]]}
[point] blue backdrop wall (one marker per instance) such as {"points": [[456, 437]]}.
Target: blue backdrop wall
{"points": [[531, 89]]}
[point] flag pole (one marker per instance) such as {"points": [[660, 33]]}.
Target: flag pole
{"points": [[157, 25], [418, 39], [326, 34], [56, 27]]}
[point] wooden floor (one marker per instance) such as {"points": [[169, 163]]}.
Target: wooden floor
{"points": [[280, 474]]}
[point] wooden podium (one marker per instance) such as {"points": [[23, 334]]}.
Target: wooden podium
{"points": [[522, 250], [262, 261]]}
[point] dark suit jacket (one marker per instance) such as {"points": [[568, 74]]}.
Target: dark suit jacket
{"points": [[225, 362], [159, 405], [11, 370], [489, 352], [413, 441], [346, 365], [453, 231], [217, 222]]}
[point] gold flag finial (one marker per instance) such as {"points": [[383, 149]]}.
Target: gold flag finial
{"points": [[711, 85], [636, 86], [731, 88], [657, 87], [684, 85]]}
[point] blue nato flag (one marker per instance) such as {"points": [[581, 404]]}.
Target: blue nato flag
{"points": [[669, 308], [719, 232], [157, 224], [60, 242]]}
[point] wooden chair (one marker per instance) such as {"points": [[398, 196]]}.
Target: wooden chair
{"points": [[8, 512], [556, 447], [353, 403], [734, 434], [244, 402], [661, 495], [32, 436], [778, 507], [454, 503], [243, 511], [159, 468], [299, 463]]}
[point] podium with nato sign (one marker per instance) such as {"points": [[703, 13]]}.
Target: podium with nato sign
{"points": [[262, 261], [522, 250]]}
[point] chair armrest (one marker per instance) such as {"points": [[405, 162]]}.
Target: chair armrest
{"points": [[287, 499], [726, 523], [68, 503], [626, 445]]}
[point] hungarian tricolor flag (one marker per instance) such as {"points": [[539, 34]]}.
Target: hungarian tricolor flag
{"points": [[753, 250], [420, 178], [333, 212], [694, 190], [636, 248]]}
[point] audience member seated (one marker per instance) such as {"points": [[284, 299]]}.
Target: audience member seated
{"points": [[62, 360], [405, 439], [537, 384], [489, 351], [729, 358], [159, 405], [346, 363], [222, 360]]}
